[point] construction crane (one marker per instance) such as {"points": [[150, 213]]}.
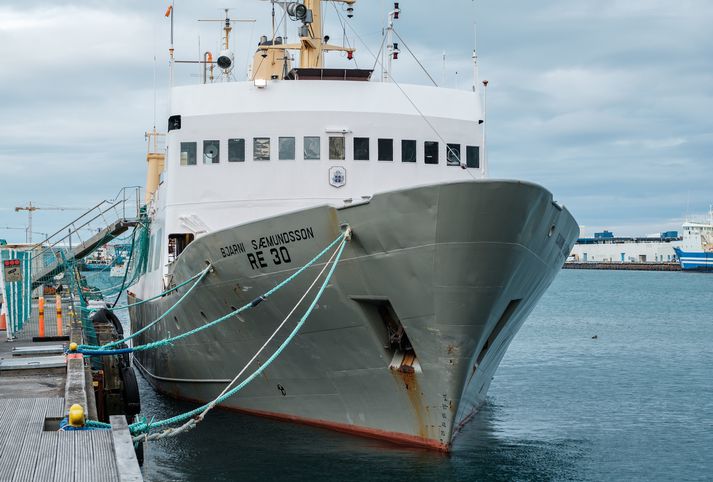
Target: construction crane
{"points": [[31, 209]]}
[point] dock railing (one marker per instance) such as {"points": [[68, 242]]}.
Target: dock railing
{"points": [[104, 221]]}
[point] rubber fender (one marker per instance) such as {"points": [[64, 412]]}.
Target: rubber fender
{"points": [[107, 316], [130, 393], [124, 360]]}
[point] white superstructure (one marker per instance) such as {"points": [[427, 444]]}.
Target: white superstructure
{"points": [[242, 151]]}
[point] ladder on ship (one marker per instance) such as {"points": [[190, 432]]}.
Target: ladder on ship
{"points": [[114, 217]]}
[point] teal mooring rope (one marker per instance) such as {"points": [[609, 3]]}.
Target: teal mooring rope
{"points": [[92, 351], [139, 428]]}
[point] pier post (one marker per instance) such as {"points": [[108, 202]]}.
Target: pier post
{"points": [[58, 306], [41, 316]]}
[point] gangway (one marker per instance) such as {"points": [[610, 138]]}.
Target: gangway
{"points": [[51, 256]]}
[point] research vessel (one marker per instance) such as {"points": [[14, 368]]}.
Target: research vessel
{"points": [[443, 266]]}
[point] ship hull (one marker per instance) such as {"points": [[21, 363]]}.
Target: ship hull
{"points": [[695, 261], [432, 288]]}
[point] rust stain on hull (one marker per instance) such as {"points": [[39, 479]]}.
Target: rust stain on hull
{"points": [[413, 391]]}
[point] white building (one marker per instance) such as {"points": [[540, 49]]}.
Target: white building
{"points": [[625, 250]]}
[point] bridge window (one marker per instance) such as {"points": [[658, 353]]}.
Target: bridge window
{"points": [[188, 153], [211, 152], [236, 150], [336, 149], [408, 151], [430, 150], [261, 149], [472, 154], [361, 148], [312, 149], [386, 149], [453, 154], [287, 148]]}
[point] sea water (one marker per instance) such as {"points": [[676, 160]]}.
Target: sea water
{"points": [[611, 377]]}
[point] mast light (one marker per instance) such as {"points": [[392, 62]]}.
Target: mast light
{"points": [[225, 60]]}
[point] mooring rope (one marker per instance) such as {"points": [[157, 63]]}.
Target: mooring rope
{"points": [[140, 429], [202, 276], [192, 418], [92, 351], [171, 290]]}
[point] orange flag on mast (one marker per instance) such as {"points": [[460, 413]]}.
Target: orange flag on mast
{"points": [[169, 10]]}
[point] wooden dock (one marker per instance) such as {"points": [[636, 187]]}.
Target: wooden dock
{"points": [[37, 385]]}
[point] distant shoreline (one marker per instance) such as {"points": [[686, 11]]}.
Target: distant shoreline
{"points": [[623, 266]]}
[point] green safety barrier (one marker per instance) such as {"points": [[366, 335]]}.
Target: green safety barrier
{"points": [[16, 287]]}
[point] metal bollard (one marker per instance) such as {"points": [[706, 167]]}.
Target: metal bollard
{"points": [[41, 311], [58, 305]]}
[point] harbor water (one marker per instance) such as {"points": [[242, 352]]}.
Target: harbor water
{"points": [[610, 378]]}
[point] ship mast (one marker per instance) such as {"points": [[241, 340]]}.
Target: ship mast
{"points": [[313, 44]]}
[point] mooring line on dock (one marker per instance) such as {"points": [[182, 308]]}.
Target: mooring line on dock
{"points": [[130, 305], [92, 350], [140, 430], [202, 276], [192, 418]]}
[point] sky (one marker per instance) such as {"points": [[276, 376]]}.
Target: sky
{"points": [[607, 103]]}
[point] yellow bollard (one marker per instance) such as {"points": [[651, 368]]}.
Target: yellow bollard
{"points": [[58, 305], [41, 311], [76, 416]]}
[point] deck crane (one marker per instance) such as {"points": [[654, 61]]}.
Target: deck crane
{"points": [[31, 209]]}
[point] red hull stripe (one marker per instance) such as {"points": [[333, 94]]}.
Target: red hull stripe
{"points": [[373, 433]]}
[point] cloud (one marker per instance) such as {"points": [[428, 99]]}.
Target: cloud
{"points": [[606, 103]]}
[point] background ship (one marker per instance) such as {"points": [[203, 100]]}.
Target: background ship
{"points": [[442, 269], [696, 251]]}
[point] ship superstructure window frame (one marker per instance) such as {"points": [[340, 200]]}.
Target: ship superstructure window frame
{"points": [[453, 154], [337, 148], [236, 150], [309, 151], [430, 152], [261, 149], [361, 149], [286, 148], [211, 151], [409, 150], [189, 153], [386, 150], [472, 157]]}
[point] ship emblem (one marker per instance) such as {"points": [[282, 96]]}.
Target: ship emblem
{"points": [[337, 176]]}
